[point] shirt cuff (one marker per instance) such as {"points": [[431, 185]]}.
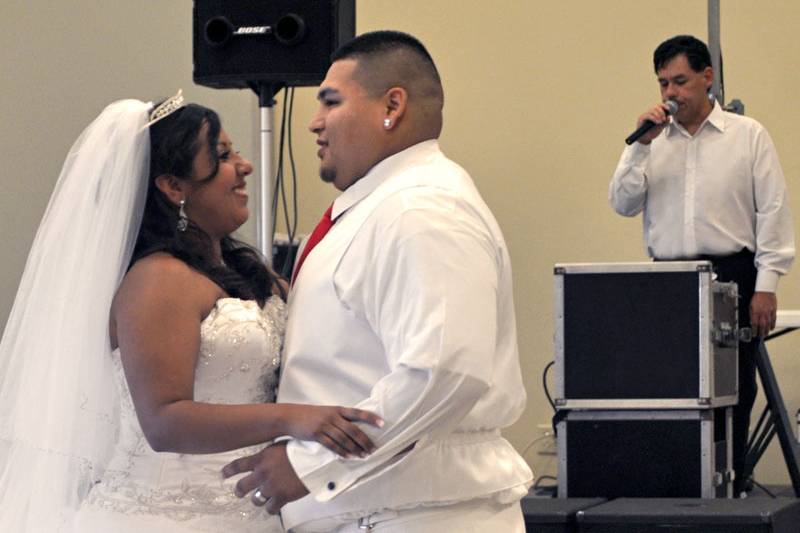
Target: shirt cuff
{"points": [[767, 281], [322, 482], [637, 152]]}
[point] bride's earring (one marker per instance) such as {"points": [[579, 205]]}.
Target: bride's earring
{"points": [[183, 221]]}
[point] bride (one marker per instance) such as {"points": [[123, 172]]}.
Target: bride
{"points": [[143, 348]]}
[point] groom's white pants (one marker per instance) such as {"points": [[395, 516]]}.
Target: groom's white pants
{"points": [[475, 516]]}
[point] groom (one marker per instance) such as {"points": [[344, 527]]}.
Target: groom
{"points": [[403, 307]]}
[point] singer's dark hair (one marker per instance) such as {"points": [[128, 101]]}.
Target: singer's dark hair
{"points": [[695, 50]]}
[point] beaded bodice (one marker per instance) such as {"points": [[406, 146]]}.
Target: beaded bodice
{"points": [[238, 362]]}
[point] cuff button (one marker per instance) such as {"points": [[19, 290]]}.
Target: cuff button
{"points": [[331, 485]]}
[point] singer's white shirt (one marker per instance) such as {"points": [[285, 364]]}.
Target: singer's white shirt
{"points": [[405, 308], [711, 193]]}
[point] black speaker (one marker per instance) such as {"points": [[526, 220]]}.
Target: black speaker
{"points": [[749, 515], [554, 515], [245, 43]]}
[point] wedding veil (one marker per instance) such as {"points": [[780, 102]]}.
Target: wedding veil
{"points": [[58, 404]]}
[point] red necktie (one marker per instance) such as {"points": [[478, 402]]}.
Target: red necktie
{"points": [[319, 232]]}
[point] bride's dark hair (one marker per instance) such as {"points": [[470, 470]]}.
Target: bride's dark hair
{"points": [[174, 142]]}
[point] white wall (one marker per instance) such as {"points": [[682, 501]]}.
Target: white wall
{"points": [[539, 96]]}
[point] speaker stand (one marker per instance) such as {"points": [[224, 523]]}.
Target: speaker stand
{"points": [[265, 212], [774, 420]]}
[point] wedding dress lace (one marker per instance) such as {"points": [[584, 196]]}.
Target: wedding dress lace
{"points": [[172, 493]]}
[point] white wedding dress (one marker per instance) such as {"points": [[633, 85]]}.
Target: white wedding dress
{"points": [[147, 491]]}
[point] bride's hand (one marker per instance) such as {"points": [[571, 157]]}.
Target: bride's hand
{"points": [[332, 427]]}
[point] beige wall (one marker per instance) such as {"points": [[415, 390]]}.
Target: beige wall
{"points": [[539, 96]]}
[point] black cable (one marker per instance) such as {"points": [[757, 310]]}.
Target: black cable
{"points": [[550, 490], [286, 129], [290, 220], [765, 489], [544, 478], [284, 135], [295, 212], [279, 188], [544, 384], [279, 171]]}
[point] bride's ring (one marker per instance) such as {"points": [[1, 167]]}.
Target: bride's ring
{"points": [[258, 498]]}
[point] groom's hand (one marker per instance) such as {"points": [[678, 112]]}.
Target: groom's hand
{"points": [[271, 473]]}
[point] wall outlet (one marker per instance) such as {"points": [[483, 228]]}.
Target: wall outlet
{"points": [[547, 444]]}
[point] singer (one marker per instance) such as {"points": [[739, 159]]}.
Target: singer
{"points": [[710, 186]]}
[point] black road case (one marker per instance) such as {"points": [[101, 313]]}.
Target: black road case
{"points": [[657, 335], [645, 454]]}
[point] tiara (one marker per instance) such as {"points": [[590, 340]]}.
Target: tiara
{"points": [[166, 108]]}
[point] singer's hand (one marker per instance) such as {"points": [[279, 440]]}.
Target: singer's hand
{"points": [[763, 312], [659, 115]]}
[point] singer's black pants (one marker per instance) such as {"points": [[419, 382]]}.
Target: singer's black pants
{"points": [[740, 268]]}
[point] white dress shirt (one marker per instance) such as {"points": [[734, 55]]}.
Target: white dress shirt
{"points": [[711, 193], [405, 308]]}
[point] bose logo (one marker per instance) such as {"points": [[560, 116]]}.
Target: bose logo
{"points": [[246, 30]]}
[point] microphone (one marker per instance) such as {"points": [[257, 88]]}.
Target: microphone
{"points": [[647, 125]]}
